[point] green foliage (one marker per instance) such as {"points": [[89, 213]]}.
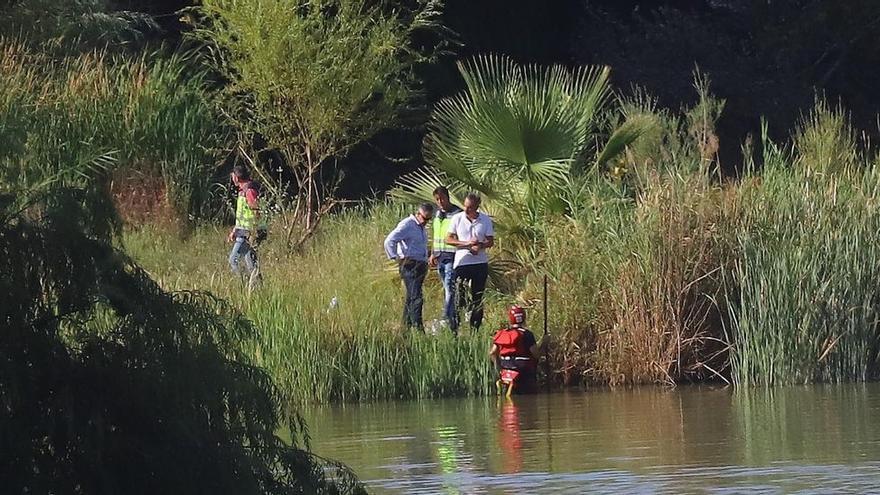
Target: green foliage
{"points": [[355, 351], [515, 135], [658, 273], [807, 300], [826, 142], [111, 385], [72, 26], [147, 114], [315, 77], [701, 120]]}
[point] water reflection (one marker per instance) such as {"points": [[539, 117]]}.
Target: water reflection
{"points": [[809, 438], [508, 436]]}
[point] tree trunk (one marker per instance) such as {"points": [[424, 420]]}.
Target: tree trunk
{"points": [[310, 187]]}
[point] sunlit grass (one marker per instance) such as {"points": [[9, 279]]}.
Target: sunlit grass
{"points": [[147, 114], [766, 280], [356, 350]]}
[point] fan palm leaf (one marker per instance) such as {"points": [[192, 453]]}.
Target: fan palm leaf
{"points": [[623, 136], [514, 125], [514, 135]]}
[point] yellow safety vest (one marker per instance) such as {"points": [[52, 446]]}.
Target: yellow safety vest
{"points": [[439, 232], [245, 216]]}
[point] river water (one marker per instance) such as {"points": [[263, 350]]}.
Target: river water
{"points": [[820, 439]]}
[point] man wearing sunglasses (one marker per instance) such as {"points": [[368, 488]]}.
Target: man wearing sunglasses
{"points": [[407, 244]]}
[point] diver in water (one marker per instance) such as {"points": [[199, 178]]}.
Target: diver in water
{"points": [[514, 348]]}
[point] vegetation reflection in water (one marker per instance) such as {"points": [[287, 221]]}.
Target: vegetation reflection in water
{"points": [[823, 438]]}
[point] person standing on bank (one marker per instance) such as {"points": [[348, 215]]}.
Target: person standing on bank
{"points": [[472, 233], [408, 245], [250, 226], [443, 254]]}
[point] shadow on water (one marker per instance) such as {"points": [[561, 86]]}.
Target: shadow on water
{"points": [[806, 439]]}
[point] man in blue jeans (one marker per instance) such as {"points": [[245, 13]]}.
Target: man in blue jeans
{"points": [[249, 229], [408, 245], [443, 254]]}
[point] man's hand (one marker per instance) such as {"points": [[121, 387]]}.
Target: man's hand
{"points": [[475, 247], [432, 261], [231, 236]]}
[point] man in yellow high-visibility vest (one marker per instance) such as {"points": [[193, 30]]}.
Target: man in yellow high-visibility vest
{"points": [[443, 254], [249, 223]]}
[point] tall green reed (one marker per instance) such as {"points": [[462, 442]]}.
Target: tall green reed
{"points": [[807, 298], [148, 115]]}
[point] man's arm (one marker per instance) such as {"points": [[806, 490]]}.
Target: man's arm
{"points": [[394, 239], [490, 233], [432, 246], [252, 197], [493, 355], [452, 237], [535, 351], [540, 347]]}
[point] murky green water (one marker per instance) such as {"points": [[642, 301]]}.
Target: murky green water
{"points": [[695, 440]]}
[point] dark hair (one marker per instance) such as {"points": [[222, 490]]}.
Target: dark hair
{"points": [[474, 197], [241, 172], [441, 190], [427, 208]]}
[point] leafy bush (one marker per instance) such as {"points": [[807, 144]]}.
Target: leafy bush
{"points": [[111, 385], [315, 78]]}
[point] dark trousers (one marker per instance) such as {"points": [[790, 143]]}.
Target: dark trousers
{"points": [[476, 276], [413, 273]]}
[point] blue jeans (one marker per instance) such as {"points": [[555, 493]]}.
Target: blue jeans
{"points": [[413, 274], [242, 249], [447, 277]]}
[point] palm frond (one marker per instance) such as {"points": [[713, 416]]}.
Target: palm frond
{"points": [[514, 135], [623, 136], [417, 187]]}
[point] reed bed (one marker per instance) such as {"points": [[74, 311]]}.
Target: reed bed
{"points": [[77, 119], [767, 280], [808, 298]]}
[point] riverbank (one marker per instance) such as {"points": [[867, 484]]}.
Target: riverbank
{"points": [[353, 350], [769, 279]]}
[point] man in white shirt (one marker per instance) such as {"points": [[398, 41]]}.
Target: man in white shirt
{"points": [[471, 232]]}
